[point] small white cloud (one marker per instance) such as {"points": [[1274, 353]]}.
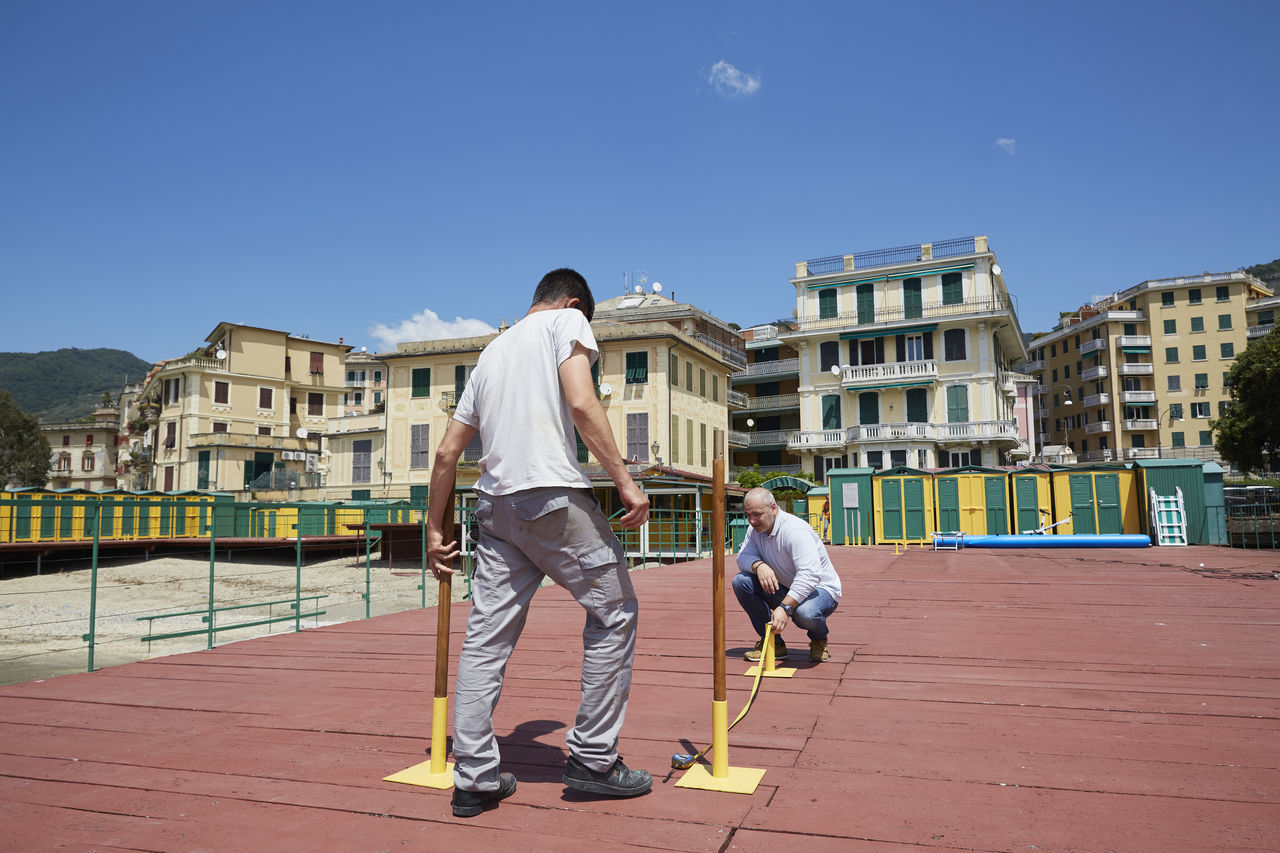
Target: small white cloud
{"points": [[1009, 145], [730, 82], [427, 326]]}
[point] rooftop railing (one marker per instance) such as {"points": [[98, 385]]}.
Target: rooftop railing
{"points": [[893, 256], [898, 313]]}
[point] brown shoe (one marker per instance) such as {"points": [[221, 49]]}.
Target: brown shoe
{"points": [[779, 650], [818, 651]]}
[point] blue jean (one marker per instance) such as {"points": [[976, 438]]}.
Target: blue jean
{"points": [[810, 614]]}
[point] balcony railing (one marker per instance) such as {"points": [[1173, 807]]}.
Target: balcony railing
{"points": [[1139, 396], [736, 357], [739, 439], [236, 439], [1137, 369], [1133, 340], [767, 438], [1139, 423], [948, 432], [449, 399], [899, 313], [873, 373], [1259, 331], [817, 439], [1093, 345], [737, 399], [775, 401], [1098, 371], [1097, 427], [1103, 455], [1097, 400], [767, 368], [1141, 452], [1034, 366], [200, 361]]}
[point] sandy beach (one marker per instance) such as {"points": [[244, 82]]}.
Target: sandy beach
{"points": [[43, 618]]}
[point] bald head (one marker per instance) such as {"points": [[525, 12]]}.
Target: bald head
{"points": [[761, 509]]}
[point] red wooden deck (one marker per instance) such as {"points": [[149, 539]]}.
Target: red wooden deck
{"points": [[980, 700]]}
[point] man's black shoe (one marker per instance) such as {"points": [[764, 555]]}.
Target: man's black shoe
{"points": [[618, 781], [471, 803]]}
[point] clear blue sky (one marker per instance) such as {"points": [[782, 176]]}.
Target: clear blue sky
{"points": [[354, 168]]}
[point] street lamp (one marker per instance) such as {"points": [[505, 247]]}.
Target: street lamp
{"points": [[1160, 419], [656, 447], [1066, 401]]}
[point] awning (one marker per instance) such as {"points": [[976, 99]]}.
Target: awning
{"points": [[888, 333], [917, 384], [1136, 349], [787, 483]]}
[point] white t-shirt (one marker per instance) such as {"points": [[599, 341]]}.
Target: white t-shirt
{"points": [[515, 400]]}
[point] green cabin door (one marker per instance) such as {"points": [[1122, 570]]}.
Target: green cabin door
{"points": [[22, 524], [913, 510], [107, 516], [891, 512], [1108, 488], [1082, 510], [67, 520], [997, 506], [1027, 502], [948, 505], [48, 516]]}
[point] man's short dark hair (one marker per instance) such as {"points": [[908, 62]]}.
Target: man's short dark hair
{"points": [[562, 283]]}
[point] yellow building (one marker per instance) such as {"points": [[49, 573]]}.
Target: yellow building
{"points": [[1140, 373], [84, 454], [244, 413], [765, 402], [904, 358]]}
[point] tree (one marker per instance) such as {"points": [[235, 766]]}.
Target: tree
{"points": [[24, 451], [1248, 433]]}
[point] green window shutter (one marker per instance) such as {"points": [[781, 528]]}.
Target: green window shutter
{"points": [[952, 288], [421, 382], [1130, 329], [1198, 352], [1197, 324], [675, 438], [1170, 327], [715, 388], [912, 304], [637, 368], [866, 303], [957, 404], [1179, 439], [459, 379], [1171, 355], [831, 411], [917, 405], [584, 455], [868, 408], [1224, 321], [1166, 299], [826, 304], [702, 440], [673, 371], [688, 445]]}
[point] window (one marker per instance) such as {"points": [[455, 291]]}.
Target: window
{"points": [[875, 459], [419, 446], [1053, 351], [673, 371], [361, 456], [1227, 349], [688, 445], [66, 441], [353, 398], [675, 438], [917, 406], [954, 344], [1171, 327], [88, 439], [1197, 324], [1170, 355], [1055, 374], [288, 365], [1198, 352], [1166, 299], [584, 453], [1066, 371], [86, 462], [460, 380], [317, 364], [1200, 410], [1224, 293], [1193, 296], [957, 404], [1266, 318], [1226, 379], [868, 408], [1175, 382], [264, 430], [866, 303], [355, 377], [219, 426], [1139, 441], [952, 288], [914, 346], [377, 380], [1179, 439], [420, 381], [1055, 401], [827, 304], [222, 392], [702, 438], [638, 435], [265, 399], [1202, 381], [1223, 407], [638, 372], [1175, 411], [315, 404], [1224, 322], [829, 354], [912, 304], [1206, 438], [831, 411], [702, 382], [293, 405], [715, 388]]}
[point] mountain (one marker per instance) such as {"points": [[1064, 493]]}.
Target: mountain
{"points": [[67, 384]]}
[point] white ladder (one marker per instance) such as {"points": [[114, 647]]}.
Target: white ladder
{"points": [[1169, 518]]}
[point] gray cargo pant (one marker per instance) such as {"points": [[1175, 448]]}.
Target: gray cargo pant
{"points": [[561, 534]]}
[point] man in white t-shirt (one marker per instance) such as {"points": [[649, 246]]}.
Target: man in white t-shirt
{"points": [[537, 517], [784, 574]]}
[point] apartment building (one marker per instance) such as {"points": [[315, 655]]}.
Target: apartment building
{"points": [[84, 454], [764, 402], [1260, 314], [662, 378], [245, 412], [904, 357], [1140, 373], [365, 383]]}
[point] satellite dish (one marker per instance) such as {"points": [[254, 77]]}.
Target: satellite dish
{"points": [[220, 354], [639, 288], [996, 269], [302, 432], [657, 287], [364, 349], [835, 370], [605, 389]]}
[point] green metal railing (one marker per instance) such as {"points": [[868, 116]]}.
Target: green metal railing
{"points": [[1253, 525]]}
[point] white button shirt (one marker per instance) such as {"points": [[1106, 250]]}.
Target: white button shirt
{"points": [[796, 555]]}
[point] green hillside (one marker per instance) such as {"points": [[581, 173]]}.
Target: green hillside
{"points": [[67, 384]]}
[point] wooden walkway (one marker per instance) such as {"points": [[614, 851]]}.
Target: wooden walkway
{"points": [[979, 700]]}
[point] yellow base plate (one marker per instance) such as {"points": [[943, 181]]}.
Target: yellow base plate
{"points": [[741, 780], [776, 672], [421, 775]]}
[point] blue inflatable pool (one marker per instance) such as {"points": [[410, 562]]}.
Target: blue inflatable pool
{"points": [[1037, 540]]}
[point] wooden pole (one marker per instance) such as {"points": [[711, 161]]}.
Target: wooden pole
{"points": [[720, 719], [440, 698]]}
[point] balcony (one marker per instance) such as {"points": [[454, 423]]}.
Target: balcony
{"points": [[1034, 366], [1103, 455], [1139, 424], [1097, 427], [1097, 400], [1133, 340], [1141, 452], [999, 303], [1098, 371], [976, 430], [773, 402], [1043, 411], [870, 433], [736, 357], [1138, 369], [736, 399], [817, 439], [1259, 331], [448, 400], [772, 438], [739, 439], [197, 361], [1138, 396], [1093, 345], [872, 374], [235, 439], [763, 370]]}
